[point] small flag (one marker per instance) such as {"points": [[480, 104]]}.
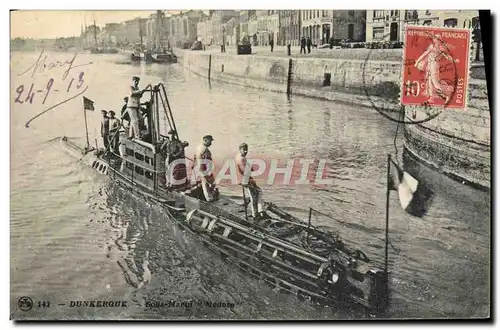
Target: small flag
{"points": [[88, 104], [414, 196]]}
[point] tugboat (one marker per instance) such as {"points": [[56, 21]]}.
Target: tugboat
{"points": [[281, 249]]}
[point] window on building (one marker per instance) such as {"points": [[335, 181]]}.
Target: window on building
{"points": [[428, 22], [317, 13], [396, 13], [129, 165], [451, 22], [351, 13], [139, 170], [129, 152], [185, 27], [139, 156], [411, 14], [378, 33], [467, 23]]}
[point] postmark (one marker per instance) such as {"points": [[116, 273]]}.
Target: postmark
{"points": [[435, 67], [389, 106]]}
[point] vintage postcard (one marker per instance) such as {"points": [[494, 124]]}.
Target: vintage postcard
{"points": [[250, 165]]}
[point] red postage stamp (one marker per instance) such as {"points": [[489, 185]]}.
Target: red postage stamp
{"points": [[435, 66]]}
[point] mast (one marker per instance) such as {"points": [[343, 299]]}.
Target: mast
{"points": [[95, 34], [140, 31], [158, 28], [85, 34]]}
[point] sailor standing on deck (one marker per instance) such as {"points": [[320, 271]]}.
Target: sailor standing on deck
{"points": [[202, 161], [114, 126], [105, 128], [251, 188], [133, 105], [125, 116]]}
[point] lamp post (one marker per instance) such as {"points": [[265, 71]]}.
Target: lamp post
{"points": [[223, 39]]}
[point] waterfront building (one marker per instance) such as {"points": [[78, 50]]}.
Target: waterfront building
{"points": [[218, 19], [182, 28], [388, 25], [289, 27], [321, 25]]}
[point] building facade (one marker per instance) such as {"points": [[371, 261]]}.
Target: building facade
{"points": [[317, 24], [218, 29], [321, 25], [182, 28], [349, 24], [253, 28], [231, 30], [289, 27], [245, 16], [388, 25], [267, 27]]}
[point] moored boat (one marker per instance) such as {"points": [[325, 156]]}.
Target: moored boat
{"points": [[281, 249]]}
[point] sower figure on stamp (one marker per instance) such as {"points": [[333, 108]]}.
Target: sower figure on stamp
{"points": [[105, 129], [202, 160], [134, 102], [429, 63], [249, 184]]}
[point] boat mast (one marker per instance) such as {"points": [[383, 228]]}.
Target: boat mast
{"points": [[95, 34], [158, 28], [140, 31], [85, 42]]}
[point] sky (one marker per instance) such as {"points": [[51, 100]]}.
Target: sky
{"points": [[53, 24]]}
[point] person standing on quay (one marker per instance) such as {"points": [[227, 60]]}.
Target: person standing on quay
{"points": [[271, 43], [309, 44], [303, 44]]}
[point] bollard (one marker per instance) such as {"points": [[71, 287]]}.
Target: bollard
{"points": [[209, 66], [289, 80]]}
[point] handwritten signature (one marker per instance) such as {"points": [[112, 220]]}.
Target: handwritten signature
{"points": [[41, 65]]}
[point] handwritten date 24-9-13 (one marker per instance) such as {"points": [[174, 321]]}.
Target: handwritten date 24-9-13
{"points": [[29, 97]]}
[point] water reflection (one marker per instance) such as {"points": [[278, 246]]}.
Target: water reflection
{"points": [[133, 240]]}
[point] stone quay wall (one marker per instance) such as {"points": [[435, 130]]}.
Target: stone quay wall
{"points": [[457, 142]]}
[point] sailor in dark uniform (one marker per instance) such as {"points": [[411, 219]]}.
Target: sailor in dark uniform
{"points": [[114, 126], [125, 116], [105, 128]]}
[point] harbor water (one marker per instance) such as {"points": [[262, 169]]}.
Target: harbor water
{"points": [[77, 237]]}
